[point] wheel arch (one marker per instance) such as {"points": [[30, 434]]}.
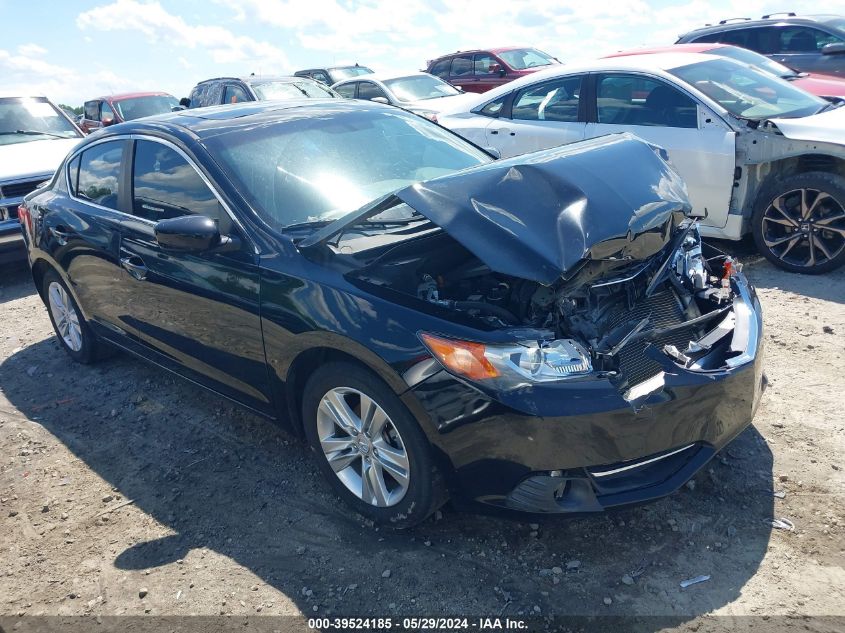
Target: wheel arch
{"points": [[765, 175]]}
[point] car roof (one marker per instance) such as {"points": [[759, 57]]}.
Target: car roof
{"points": [[214, 120], [4, 95], [254, 79], [674, 48], [775, 19], [131, 95], [383, 77]]}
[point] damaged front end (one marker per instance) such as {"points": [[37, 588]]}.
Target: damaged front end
{"points": [[582, 257]]}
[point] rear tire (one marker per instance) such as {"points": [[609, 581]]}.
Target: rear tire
{"points": [[369, 447], [71, 328], [799, 223]]}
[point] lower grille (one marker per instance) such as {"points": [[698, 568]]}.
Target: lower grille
{"points": [[662, 309]]}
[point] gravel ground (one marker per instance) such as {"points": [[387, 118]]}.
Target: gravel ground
{"points": [[127, 491]]}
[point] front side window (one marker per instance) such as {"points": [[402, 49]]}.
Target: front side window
{"points": [[550, 101], [99, 174], [486, 64], [24, 119], [235, 94], [165, 185], [319, 75], [106, 113], [368, 90], [635, 100], [322, 167], [747, 92]]}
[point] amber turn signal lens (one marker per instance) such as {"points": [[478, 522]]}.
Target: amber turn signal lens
{"points": [[461, 357]]}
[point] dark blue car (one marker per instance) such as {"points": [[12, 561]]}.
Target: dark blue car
{"points": [[545, 334]]}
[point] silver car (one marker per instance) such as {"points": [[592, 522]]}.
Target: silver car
{"points": [[419, 93]]}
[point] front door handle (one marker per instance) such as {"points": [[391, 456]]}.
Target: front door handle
{"points": [[503, 131], [134, 265]]}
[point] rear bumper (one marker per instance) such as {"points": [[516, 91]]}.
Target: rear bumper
{"points": [[580, 447]]}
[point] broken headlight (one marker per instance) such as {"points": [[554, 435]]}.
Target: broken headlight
{"points": [[688, 260], [510, 365]]}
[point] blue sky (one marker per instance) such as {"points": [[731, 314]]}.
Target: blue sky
{"points": [[75, 51]]}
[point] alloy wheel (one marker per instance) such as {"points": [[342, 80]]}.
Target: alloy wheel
{"points": [[804, 227], [65, 316], [363, 446]]}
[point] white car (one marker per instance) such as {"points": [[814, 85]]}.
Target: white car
{"points": [[758, 154], [420, 93], [35, 136]]}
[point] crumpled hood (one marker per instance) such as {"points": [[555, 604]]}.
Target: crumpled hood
{"points": [[826, 127], [33, 158], [538, 215]]}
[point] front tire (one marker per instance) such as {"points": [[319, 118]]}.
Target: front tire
{"points": [[369, 447], [799, 223], [71, 328]]}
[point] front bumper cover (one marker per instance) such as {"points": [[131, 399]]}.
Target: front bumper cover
{"points": [[580, 446]]}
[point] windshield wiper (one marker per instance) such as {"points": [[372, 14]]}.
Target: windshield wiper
{"points": [[33, 133]]}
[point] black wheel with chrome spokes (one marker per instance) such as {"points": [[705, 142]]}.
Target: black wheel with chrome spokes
{"points": [[799, 225]]}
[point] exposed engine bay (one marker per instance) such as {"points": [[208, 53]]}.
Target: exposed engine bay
{"points": [[604, 316]]}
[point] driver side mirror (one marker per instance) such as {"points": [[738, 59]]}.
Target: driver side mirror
{"points": [[502, 72], [107, 120], [383, 100], [834, 48], [192, 234]]}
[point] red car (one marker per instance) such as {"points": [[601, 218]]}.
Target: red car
{"points": [[819, 85], [105, 111], [480, 70]]}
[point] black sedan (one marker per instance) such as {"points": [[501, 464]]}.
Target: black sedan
{"points": [[545, 334]]}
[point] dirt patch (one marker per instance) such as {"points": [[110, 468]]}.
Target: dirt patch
{"points": [[124, 490]]}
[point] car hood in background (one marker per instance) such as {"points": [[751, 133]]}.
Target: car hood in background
{"points": [[821, 85], [538, 215], [33, 158], [826, 127], [441, 104]]}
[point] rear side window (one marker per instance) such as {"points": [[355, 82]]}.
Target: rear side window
{"points": [[319, 75], [165, 185], [73, 174], [99, 174], [752, 39], [441, 68], [462, 65], [92, 110]]}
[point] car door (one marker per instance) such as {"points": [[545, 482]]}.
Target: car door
{"points": [[701, 146], [540, 116], [486, 71], [195, 312], [84, 234]]}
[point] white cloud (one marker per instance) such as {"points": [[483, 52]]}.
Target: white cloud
{"points": [[31, 50], [161, 27]]}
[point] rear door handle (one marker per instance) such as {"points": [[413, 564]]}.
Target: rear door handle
{"points": [[134, 265], [503, 131]]}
